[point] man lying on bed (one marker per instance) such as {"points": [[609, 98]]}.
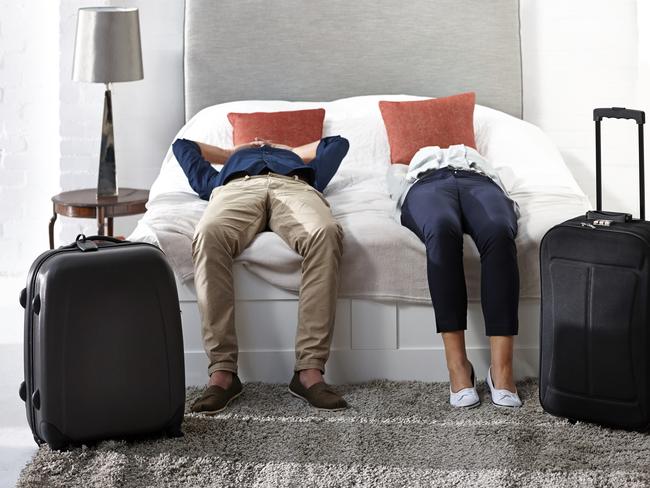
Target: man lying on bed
{"points": [[265, 186]]}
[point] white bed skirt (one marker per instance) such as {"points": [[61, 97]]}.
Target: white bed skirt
{"points": [[372, 339]]}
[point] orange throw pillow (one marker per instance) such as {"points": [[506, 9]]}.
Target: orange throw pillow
{"points": [[439, 122], [294, 128]]}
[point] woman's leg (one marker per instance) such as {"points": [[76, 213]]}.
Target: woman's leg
{"points": [[431, 210], [489, 217], [502, 373], [457, 363]]}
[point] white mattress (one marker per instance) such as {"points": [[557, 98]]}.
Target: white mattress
{"points": [[381, 259]]}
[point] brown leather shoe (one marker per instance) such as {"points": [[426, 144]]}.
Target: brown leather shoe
{"points": [[214, 399], [320, 395]]}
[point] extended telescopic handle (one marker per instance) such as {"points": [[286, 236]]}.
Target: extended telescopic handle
{"points": [[620, 113]]}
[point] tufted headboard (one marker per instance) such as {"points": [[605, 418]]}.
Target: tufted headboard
{"points": [[329, 49]]}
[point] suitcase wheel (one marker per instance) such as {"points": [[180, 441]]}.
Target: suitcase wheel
{"points": [[36, 400], [23, 297], [36, 304], [22, 391]]}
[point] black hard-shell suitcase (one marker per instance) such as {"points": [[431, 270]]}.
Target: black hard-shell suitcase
{"points": [[595, 322], [103, 343]]}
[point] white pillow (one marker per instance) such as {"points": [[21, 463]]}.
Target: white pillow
{"points": [[525, 157], [359, 120]]}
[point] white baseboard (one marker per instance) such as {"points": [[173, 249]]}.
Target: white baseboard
{"points": [[344, 366], [373, 339], [355, 366]]}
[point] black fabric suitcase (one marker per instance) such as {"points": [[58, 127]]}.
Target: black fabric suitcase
{"points": [[595, 322], [103, 343]]}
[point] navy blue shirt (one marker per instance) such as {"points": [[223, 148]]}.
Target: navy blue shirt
{"points": [[253, 161]]}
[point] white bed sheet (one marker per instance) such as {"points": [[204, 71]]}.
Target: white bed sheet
{"points": [[381, 259]]}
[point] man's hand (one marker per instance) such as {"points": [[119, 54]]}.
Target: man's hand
{"points": [[256, 143], [218, 155], [280, 146], [262, 142]]}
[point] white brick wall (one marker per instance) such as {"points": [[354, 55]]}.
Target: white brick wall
{"points": [[28, 129], [28, 145]]}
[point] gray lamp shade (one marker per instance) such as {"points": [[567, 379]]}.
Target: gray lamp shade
{"points": [[107, 45]]}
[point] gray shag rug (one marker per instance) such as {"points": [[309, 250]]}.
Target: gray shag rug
{"points": [[394, 434]]}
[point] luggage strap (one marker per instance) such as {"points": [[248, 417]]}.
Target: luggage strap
{"points": [[86, 244]]}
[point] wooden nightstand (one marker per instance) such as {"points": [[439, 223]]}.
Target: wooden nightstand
{"points": [[85, 204]]}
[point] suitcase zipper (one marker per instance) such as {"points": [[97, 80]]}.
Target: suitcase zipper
{"points": [[587, 225]]}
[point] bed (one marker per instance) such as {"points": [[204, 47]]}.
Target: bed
{"points": [[346, 58]]}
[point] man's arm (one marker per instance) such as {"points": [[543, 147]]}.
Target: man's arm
{"points": [[214, 154], [218, 155], [196, 157], [307, 152], [330, 151], [200, 174]]}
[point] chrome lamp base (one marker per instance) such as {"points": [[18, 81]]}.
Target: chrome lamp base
{"points": [[107, 176]]}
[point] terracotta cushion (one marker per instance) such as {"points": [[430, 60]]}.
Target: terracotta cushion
{"points": [[294, 128], [439, 122]]}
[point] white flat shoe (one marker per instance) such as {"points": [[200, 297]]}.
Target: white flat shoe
{"points": [[467, 397], [502, 398]]}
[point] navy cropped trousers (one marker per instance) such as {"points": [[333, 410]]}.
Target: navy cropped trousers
{"points": [[439, 208]]}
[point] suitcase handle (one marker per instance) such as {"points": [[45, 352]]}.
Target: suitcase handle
{"points": [[103, 238], [620, 113], [86, 244], [613, 216]]}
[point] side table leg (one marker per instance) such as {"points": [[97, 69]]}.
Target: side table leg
{"points": [[110, 226], [51, 230], [100, 221]]}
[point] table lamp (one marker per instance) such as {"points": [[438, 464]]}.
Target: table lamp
{"points": [[107, 50]]}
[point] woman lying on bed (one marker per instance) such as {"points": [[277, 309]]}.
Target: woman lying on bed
{"points": [[446, 189], [445, 193], [454, 193]]}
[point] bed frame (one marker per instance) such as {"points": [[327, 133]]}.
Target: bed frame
{"points": [[324, 50]]}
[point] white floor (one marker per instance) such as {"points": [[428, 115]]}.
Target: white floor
{"points": [[16, 448], [17, 445]]}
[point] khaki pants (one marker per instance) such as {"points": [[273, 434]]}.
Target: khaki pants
{"points": [[300, 215]]}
